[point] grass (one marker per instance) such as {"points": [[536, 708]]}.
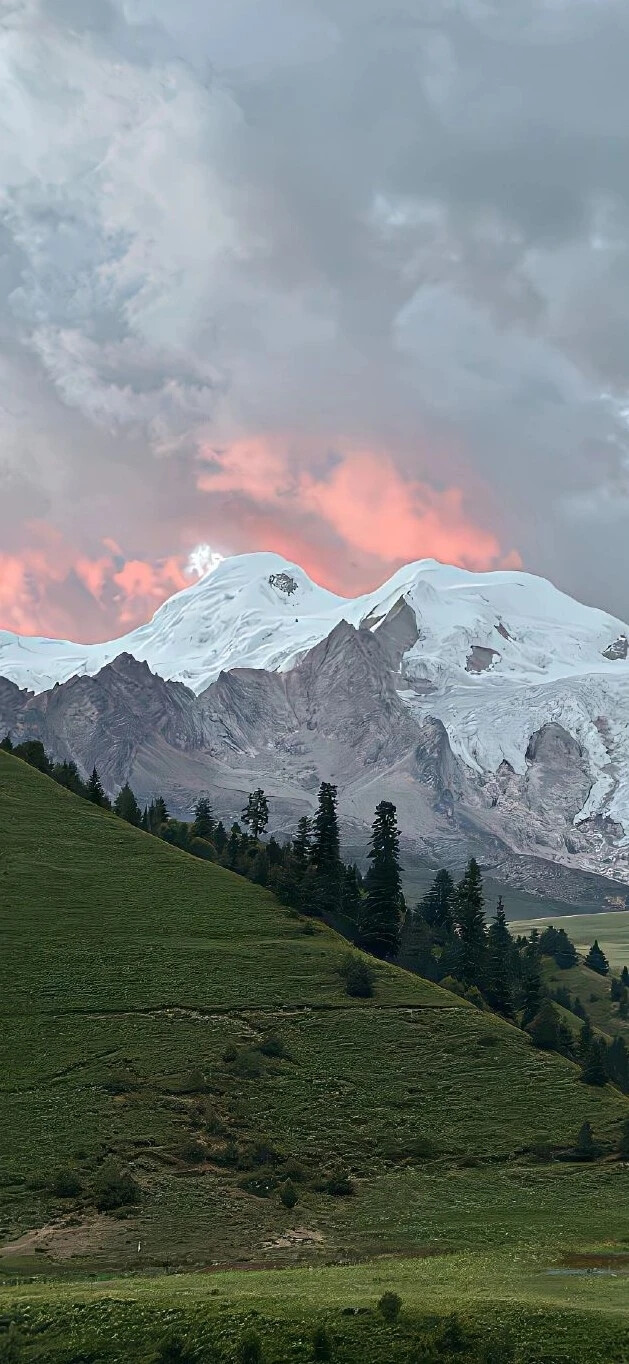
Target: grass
{"points": [[140, 988]]}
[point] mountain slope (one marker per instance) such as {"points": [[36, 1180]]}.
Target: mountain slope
{"points": [[493, 710], [139, 986]]}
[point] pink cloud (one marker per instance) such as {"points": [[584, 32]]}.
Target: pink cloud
{"points": [[380, 517]]}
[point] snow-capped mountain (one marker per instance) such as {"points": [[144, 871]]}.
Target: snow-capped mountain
{"points": [[529, 688]]}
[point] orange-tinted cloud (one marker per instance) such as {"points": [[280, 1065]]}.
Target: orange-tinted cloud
{"points": [[362, 498]]}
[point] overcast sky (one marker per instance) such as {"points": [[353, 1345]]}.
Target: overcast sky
{"points": [[348, 279]]}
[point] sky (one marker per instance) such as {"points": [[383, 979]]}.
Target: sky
{"points": [[346, 279]]}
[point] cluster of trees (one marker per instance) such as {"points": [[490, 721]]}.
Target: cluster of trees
{"points": [[447, 939]]}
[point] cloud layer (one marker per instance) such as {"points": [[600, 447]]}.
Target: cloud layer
{"points": [[338, 279]]}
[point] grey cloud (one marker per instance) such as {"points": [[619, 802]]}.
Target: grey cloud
{"points": [[405, 226]]}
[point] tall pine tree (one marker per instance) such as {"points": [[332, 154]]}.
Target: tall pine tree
{"points": [[204, 821], [325, 893], [302, 841], [436, 907], [380, 920], [126, 806], [469, 918], [499, 982]]}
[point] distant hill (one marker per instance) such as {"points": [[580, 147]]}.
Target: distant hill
{"points": [[179, 1054]]}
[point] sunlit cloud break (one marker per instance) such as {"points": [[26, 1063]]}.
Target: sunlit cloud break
{"points": [[203, 560]]}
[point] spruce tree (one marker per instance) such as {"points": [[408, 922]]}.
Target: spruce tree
{"points": [[95, 791], [7, 744], [160, 813], [204, 822], [585, 1147], [544, 1028], [256, 812], [220, 837], [302, 841], [325, 854], [351, 898], [596, 959], [593, 1071], [499, 990], [469, 918], [126, 806], [436, 906], [380, 922], [585, 1038], [232, 846], [624, 976]]}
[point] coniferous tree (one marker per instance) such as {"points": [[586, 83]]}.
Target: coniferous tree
{"points": [[351, 898], [623, 1140], [624, 976], [126, 806], [617, 1063], [543, 1030], [95, 791], [32, 751], [232, 846], [380, 921], [220, 837], [67, 774], [500, 944], [7, 744], [596, 959], [160, 813], [325, 891], [204, 821], [532, 985], [593, 1070], [469, 917], [302, 841], [256, 812], [585, 1147], [555, 943], [326, 855], [437, 905], [585, 1038]]}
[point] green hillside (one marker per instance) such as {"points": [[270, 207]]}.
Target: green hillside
{"points": [[611, 929], [167, 1023]]}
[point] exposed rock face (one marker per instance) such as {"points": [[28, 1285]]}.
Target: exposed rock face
{"points": [[618, 650], [337, 715], [480, 659]]}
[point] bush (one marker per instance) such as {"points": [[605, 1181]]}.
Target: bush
{"points": [[390, 1306], [339, 1186], [321, 1344], [453, 985], [194, 1083], [288, 1194], [67, 1184], [475, 997], [273, 1046], [115, 1188], [250, 1349], [247, 1065], [191, 1152], [359, 977], [11, 1345], [293, 1170], [173, 1350]]}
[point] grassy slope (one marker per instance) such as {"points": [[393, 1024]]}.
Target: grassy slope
{"points": [[126, 964]]}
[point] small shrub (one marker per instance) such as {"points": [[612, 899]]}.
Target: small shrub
{"points": [[230, 1053], [194, 1083], [250, 1349], [475, 997], [390, 1306], [247, 1065], [173, 1350], [67, 1184], [321, 1344], [264, 1154], [308, 929], [293, 1170], [339, 1186], [191, 1152], [453, 985], [359, 977], [273, 1046], [115, 1188], [288, 1194], [11, 1345]]}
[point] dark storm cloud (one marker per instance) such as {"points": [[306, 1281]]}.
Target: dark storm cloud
{"points": [[341, 226]]}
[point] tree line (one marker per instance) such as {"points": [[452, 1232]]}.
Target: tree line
{"points": [[444, 938]]}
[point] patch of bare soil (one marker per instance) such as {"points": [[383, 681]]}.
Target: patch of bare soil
{"points": [[297, 1236], [70, 1236]]}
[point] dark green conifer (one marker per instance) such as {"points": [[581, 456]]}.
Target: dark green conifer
{"points": [[95, 791], [204, 821], [499, 991], [126, 806], [596, 959], [380, 921], [437, 905], [593, 1070], [302, 841], [469, 918], [256, 813]]}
